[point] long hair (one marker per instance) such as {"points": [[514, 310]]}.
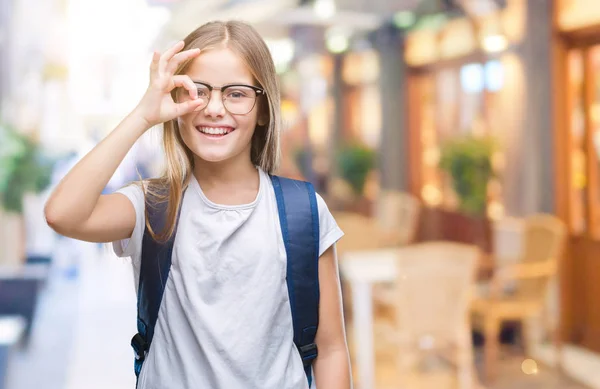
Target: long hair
{"points": [[245, 41]]}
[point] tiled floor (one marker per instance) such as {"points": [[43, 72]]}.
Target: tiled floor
{"points": [[83, 329], [84, 326], [511, 376], [42, 363], [511, 373]]}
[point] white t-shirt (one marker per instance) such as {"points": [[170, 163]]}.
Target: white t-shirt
{"points": [[225, 320]]}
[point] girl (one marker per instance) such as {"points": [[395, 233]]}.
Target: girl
{"points": [[225, 320]]}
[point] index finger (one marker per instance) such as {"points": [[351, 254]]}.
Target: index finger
{"points": [[167, 55], [180, 58]]}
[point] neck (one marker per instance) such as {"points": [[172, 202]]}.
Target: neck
{"points": [[238, 172]]}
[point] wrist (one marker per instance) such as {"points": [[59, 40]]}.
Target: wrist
{"points": [[139, 122]]}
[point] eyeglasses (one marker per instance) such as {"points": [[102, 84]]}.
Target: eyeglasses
{"points": [[238, 99]]}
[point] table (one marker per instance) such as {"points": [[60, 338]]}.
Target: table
{"points": [[362, 269]]}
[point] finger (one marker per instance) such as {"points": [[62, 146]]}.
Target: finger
{"points": [[154, 63], [180, 58], [167, 55], [188, 106], [187, 83]]}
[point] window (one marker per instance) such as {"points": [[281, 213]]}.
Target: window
{"points": [[453, 102], [584, 140]]}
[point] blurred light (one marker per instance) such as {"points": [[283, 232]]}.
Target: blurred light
{"points": [[337, 44], [404, 19], [498, 161], [11, 328], [495, 211], [495, 43], [431, 156], [471, 78], [282, 51], [431, 22], [324, 9], [529, 366], [494, 76], [114, 55], [431, 195], [337, 40], [289, 113]]}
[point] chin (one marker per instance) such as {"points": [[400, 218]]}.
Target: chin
{"points": [[216, 154], [213, 157], [210, 154]]}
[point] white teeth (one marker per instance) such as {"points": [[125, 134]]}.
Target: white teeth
{"points": [[214, 131]]}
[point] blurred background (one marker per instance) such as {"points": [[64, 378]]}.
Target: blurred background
{"points": [[457, 143]]}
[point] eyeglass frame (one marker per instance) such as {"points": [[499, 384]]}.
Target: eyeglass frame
{"points": [[258, 90]]}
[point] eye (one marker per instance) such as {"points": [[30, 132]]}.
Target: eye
{"points": [[238, 93], [203, 91]]}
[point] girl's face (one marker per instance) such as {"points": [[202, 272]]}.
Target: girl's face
{"points": [[223, 129]]}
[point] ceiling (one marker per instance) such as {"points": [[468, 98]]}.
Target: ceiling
{"points": [[274, 18]]}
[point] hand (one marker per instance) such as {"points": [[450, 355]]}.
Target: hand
{"points": [[157, 105]]}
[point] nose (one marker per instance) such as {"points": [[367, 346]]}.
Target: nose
{"points": [[215, 107]]}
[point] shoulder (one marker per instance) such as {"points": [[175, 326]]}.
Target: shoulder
{"points": [[327, 223], [321, 204], [329, 231]]}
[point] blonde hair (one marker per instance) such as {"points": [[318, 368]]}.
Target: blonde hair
{"points": [[244, 40]]}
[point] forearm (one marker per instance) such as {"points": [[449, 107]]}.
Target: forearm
{"points": [[75, 197], [332, 369]]}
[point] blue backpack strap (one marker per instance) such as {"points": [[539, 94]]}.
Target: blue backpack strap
{"points": [[154, 272], [299, 219]]}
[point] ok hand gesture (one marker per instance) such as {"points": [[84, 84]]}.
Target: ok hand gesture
{"points": [[157, 105]]}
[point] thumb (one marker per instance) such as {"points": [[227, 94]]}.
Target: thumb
{"points": [[189, 106]]}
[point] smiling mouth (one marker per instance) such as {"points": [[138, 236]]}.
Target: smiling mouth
{"points": [[215, 132]]}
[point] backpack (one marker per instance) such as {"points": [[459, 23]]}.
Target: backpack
{"points": [[299, 222]]}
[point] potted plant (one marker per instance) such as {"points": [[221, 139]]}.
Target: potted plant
{"points": [[354, 163], [468, 162], [24, 169]]}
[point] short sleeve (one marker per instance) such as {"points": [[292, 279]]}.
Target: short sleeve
{"points": [[329, 231], [131, 247]]}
